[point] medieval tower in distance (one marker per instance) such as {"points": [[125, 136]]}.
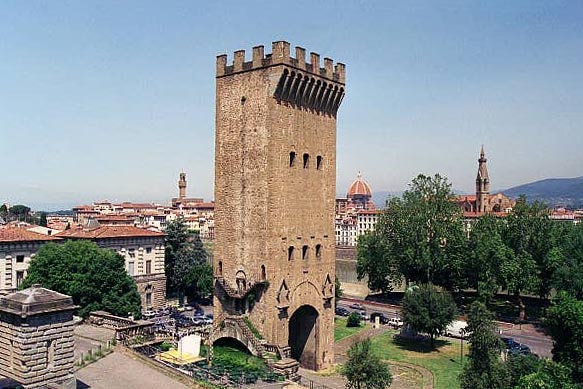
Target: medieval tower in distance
{"points": [[275, 186]]}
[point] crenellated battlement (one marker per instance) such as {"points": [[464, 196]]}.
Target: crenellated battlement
{"points": [[280, 55]]}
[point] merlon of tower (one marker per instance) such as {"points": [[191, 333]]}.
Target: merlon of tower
{"points": [[280, 55]]}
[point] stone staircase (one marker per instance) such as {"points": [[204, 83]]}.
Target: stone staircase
{"points": [[244, 328]]}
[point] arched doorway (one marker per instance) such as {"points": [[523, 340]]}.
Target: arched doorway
{"points": [[303, 336]]}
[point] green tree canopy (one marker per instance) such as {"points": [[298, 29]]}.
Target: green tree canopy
{"points": [[549, 375], [428, 309], [484, 370], [564, 321], [184, 251], [43, 219], [95, 278], [364, 370], [569, 273], [486, 255], [419, 236]]}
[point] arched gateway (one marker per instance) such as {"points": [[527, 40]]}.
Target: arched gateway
{"points": [[304, 336]]}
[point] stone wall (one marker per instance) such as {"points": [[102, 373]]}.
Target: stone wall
{"points": [[38, 353], [275, 215]]}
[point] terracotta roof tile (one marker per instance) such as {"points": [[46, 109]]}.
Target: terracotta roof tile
{"points": [[109, 232], [16, 234]]}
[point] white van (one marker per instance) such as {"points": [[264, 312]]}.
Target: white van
{"points": [[457, 329]]}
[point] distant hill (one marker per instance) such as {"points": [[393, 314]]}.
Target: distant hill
{"points": [[567, 192]]}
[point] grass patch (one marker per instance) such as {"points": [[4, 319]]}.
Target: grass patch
{"points": [[443, 361], [341, 331]]}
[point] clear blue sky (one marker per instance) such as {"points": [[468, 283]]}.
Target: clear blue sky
{"points": [[111, 100]]}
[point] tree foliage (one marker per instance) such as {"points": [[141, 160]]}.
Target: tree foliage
{"points": [[568, 275], [419, 236], [43, 219], [564, 321], [95, 278], [184, 251], [364, 370], [199, 280], [353, 320], [486, 255], [428, 310], [338, 292], [549, 375], [485, 369]]}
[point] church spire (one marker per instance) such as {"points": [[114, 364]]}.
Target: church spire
{"points": [[482, 182]]}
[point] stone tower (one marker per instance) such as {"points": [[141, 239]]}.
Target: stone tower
{"points": [[482, 183], [182, 186], [275, 186], [36, 338]]}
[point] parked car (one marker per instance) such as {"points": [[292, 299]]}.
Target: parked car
{"points": [[383, 319], [395, 322], [357, 306], [341, 311], [363, 315], [147, 315], [514, 347]]}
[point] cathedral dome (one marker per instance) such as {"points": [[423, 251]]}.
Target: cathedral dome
{"points": [[359, 188]]}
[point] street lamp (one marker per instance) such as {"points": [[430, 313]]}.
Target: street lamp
{"points": [[463, 334]]}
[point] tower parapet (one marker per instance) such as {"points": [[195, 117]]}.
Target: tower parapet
{"points": [[280, 55]]}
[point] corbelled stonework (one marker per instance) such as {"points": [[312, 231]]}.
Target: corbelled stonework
{"points": [[275, 185], [36, 338]]}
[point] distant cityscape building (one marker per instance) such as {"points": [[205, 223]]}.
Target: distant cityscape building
{"points": [[356, 214], [196, 213], [17, 248], [483, 202]]}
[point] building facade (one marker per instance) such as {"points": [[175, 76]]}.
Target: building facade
{"points": [[18, 246], [275, 182]]}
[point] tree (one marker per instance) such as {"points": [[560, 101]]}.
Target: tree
{"points": [[484, 370], [95, 278], [549, 375], [19, 212], [519, 365], [184, 251], [338, 292], [43, 219], [428, 310], [374, 260], [533, 238], [3, 211], [199, 281], [485, 256], [419, 236], [569, 274], [364, 370], [353, 320], [564, 321]]}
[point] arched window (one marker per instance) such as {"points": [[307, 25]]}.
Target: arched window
{"points": [[305, 251], [290, 253], [318, 251], [263, 274], [220, 268], [306, 160], [319, 162], [292, 158]]}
